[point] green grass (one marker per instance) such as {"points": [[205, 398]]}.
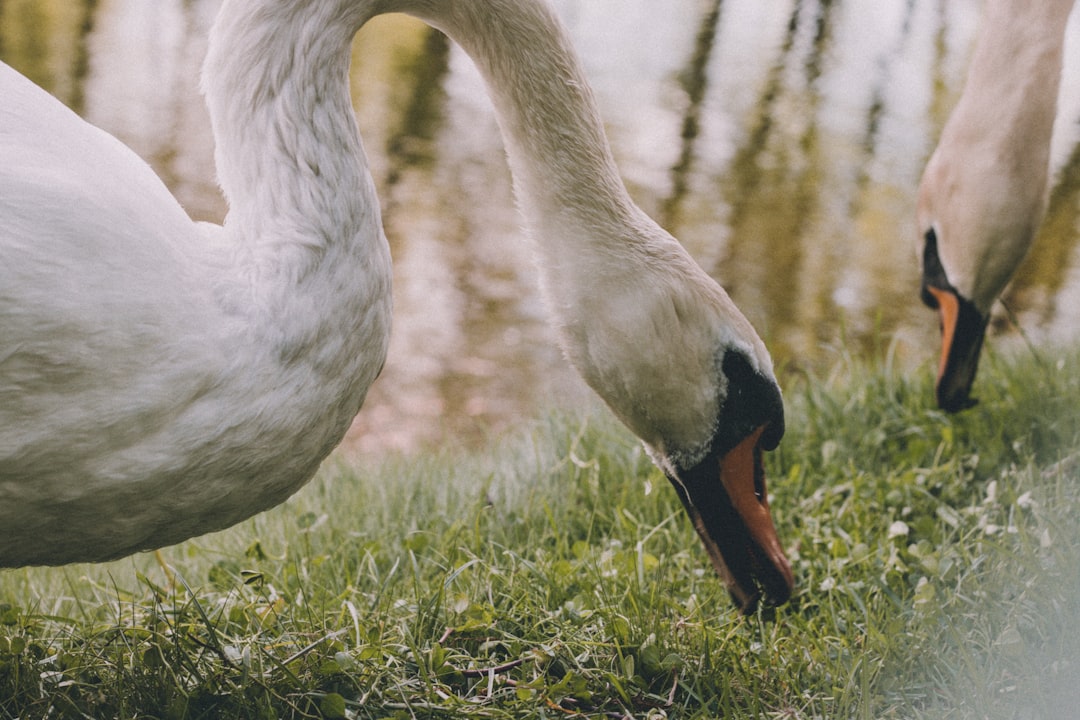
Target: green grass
{"points": [[938, 562]]}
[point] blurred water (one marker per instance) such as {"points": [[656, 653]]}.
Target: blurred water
{"points": [[781, 141]]}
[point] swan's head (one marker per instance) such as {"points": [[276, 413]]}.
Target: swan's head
{"points": [[724, 490], [980, 200], [975, 226], [677, 362], [963, 327]]}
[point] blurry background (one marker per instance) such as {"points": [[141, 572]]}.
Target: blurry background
{"points": [[780, 141]]}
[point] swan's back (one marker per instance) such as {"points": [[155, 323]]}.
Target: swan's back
{"points": [[130, 383], [95, 299]]}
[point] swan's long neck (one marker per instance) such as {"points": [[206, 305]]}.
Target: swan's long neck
{"points": [[566, 181], [1015, 69], [277, 89], [984, 189], [288, 154], [309, 267], [556, 144], [289, 157]]}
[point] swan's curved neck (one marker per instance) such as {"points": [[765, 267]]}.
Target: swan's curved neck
{"points": [[566, 180], [558, 153], [289, 157], [270, 83], [1015, 69], [306, 264], [288, 153], [583, 225]]}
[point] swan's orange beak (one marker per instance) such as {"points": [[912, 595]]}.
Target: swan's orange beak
{"points": [[729, 506], [962, 331]]}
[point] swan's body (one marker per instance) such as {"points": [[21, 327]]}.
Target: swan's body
{"points": [[160, 378], [983, 193]]}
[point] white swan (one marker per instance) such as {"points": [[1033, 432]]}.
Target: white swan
{"points": [[161, 378], [983, 193]]}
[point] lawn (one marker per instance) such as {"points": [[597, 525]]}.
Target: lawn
{"points": [[555, 575]]}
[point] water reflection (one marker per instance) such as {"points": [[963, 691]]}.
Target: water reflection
{"points": [[782, 142], [47, 43]]}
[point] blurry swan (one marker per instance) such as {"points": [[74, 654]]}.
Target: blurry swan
{"points": [[161, 378], [983, 193]]}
